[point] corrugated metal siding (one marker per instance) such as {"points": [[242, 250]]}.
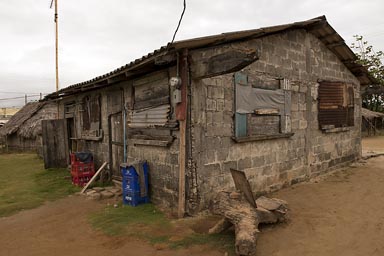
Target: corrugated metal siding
{"points": [[153, 117]]}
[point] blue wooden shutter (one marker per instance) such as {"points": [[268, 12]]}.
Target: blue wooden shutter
{"points": [[240, 79]]}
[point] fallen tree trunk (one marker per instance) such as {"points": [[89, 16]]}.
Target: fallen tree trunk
{"points": [[242, 216], [245, 218]]}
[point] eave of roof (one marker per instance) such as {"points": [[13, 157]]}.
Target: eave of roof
{"points": [[319, 27]]}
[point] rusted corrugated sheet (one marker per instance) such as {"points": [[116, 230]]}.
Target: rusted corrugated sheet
{"points": [[153, 117], [337, 117], [331, 95]]}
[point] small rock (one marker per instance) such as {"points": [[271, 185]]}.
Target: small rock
{"points": [[94, 196], [107, 194], [89, 192], [115, 190], [98, 189]]}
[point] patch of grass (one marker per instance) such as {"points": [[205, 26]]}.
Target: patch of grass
{"points": [[128, 220], [25, 184], [147, 223]]}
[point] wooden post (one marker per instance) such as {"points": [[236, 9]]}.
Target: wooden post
{"points": [[181, 113], [182, 151]]}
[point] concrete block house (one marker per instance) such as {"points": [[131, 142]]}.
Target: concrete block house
{"points": [[281, 103]]}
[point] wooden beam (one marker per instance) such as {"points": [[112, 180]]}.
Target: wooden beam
{"points": [[181, 113], [165, 59], [182, 162], [223, 63], [93, 178], [116, 79]]}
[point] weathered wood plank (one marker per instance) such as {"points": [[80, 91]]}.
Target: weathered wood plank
{"points": [[152, 78], [263, 124], [223, 63]]}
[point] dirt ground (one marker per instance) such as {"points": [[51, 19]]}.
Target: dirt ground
{"points": [[340, 214]]}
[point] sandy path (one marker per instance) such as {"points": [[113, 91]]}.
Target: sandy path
{"points": [[341, 215], [61, 228]]}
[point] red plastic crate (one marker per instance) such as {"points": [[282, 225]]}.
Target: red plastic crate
{"points": [[81, 172], [81, 180]]}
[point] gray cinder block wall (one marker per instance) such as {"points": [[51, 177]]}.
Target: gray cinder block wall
{"points": [[274, 163]]}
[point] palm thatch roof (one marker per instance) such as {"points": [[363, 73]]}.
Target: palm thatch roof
{"points": [[27, 121], [368, 114]]}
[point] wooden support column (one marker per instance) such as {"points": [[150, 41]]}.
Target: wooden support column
{"points": [[181, 113]]}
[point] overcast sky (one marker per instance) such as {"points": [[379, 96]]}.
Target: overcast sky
{"points": [[98, 36]]}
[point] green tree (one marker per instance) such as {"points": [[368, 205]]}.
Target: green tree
{"points": [[373, 95]]}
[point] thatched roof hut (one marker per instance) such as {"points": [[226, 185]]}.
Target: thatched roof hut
{"points": [[23, 130], [369, 114], [371, 121], [16, 121]]}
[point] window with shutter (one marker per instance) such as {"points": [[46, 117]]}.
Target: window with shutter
{"points": [[91, 117], [335, 105], [151, 101], [263, 108]]}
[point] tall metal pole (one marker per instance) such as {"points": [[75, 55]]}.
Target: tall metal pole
{"points": [[57, 46]]}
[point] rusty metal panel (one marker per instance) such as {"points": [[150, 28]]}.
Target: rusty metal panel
{"points": [[331, 95], [152, 117], [335, 104], [336, 117]]}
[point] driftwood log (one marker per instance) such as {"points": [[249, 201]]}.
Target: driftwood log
{"points": [[245, 218]]}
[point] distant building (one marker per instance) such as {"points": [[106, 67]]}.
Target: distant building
{"points": [[22, 132], [6, 113]]}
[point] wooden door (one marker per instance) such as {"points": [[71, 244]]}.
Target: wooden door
{"points": [[55, 143]]}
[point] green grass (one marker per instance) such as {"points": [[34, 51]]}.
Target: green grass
{"points": [[25, 184], [147, 223], [119, 221]]}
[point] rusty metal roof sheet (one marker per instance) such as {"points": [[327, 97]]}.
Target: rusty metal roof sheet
{"points": [[319, 27]]}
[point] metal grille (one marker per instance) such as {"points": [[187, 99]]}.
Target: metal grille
{"points": [[334, 99], [331, 95]]}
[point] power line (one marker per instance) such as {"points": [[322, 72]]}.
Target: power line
{"points": [[21, 97], [178, 25], [22, 92]]}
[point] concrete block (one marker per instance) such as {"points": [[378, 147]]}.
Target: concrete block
{"points": [[258, 161], [303, 124], [220, 105], [245, 163], [211, 105], [229, 164], [212, 169]]}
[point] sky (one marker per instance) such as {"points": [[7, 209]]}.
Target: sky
{"points": [[98, 36]]}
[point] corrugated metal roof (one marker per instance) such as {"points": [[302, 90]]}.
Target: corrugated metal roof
{"points": [[317, 26]]}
